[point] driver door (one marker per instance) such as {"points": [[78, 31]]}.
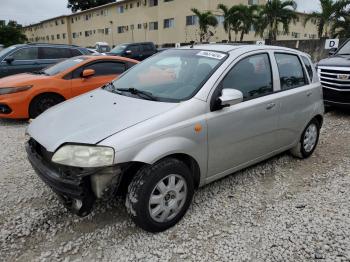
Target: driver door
{"points": [[105, 71], [247, 131]]}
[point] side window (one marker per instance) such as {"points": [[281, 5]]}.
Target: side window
{"points": [[290, 70], [75, 52], [309, 67], [103, 68], [133, 48], [54, 53], [252, 76], [26, 54]]}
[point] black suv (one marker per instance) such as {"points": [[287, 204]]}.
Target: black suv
{"points": [[137, 51], [34, 57], [334, 73]]}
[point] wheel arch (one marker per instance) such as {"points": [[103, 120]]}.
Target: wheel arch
{"points": [[42, 94]]}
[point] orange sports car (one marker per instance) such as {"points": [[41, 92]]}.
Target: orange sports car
{"points": [[28, 95]]}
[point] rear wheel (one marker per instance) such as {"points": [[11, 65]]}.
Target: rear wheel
{"points": [[159, 195], [43, 102], [308, 140]]}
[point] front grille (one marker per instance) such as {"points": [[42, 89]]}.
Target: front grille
{"points": [[336, 79]]}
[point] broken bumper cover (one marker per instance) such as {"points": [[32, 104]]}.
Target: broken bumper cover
{"points": [[77, 187]]}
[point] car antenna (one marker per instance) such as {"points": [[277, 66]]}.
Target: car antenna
{"points": [[192, 44]]}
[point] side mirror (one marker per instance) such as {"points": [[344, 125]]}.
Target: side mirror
{"points": [[230, 97], [333, 51], [9, 59], [87, 73]]}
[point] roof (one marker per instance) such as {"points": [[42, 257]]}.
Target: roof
{"points": [[233, 47]]}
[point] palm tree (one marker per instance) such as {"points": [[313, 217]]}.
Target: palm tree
{"points": [[205, 20], [231, 22], [246, 17], [274, 13], [341, 27], [329, 14]]}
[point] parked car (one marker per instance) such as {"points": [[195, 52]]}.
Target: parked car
{"points": [[34, 57], [102, 47], [334, 73], [138, 51], [214, 109], [94, 52], [27, 95]]}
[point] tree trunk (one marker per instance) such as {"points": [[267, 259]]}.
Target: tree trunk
{"points": [[229, 35], [242, 36]]}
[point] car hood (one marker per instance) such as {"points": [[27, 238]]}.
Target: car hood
{"points": [[91, 118], [337, 61], [20, 79]]}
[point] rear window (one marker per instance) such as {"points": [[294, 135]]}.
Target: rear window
{"points": [[290, 70]]}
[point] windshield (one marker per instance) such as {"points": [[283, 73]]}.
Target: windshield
{"points": [[171, 76], [118, 49], [63, 66], [6, 50], [345, 50]]}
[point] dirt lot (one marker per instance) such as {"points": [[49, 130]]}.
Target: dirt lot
{"points": [[281, 210]]}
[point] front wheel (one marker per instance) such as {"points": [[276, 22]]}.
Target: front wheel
{"points": [[43, 102], [308, 140], [159, 195]]}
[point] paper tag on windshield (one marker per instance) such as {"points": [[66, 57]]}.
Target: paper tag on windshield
{"points": [[210, 54]]}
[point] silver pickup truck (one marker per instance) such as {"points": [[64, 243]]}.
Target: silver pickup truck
{"points": [[177, 121]]}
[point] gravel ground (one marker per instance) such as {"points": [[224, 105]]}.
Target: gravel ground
{"points": [[281, 210]]}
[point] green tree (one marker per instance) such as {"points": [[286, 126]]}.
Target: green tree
{"points": [[81, 5], [205, 20], [341, 27], [329, 13], [11, 34], [274, 14], [230, 19], [246, 16]]}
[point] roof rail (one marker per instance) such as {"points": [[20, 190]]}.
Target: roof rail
{"points": [[29, 43]]}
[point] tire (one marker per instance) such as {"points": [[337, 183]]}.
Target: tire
{"points": [[147, 183], [43, 102], [311, 133]]}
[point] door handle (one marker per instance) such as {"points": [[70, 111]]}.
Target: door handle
{"points": [[309, 94], [270, 106]]}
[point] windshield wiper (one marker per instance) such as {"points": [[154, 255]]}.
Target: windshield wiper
{"points": [[140, 93], [108, 84], [41, 72]]}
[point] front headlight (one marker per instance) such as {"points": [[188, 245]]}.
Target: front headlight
{"points": [[84, 156], [11, 90]]}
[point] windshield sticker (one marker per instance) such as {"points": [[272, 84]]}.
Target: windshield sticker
{"points": [[209, 54]]}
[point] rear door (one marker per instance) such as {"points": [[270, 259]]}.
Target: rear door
{"points": [[105, 71], [296, 98], [245, 132], [25, 60], [147, 50]]}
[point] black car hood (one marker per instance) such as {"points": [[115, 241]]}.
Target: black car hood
{"points": [[337, 60]]}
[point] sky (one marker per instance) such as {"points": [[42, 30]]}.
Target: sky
{"points": [[33, 11]]}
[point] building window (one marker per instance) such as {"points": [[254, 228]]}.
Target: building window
{"points": [[62, 21], [139, 26], [64, 36], [52, 37], [120, 9], [131, 5], [138, 4], [168, 0], [253, 2], [58, 36], [107, 31], [56, 22], [191, 20], [169, 23], [153, 2], [153, 26], [120, 29]]}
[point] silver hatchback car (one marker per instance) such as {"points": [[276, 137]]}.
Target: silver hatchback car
{"points": [[177, 121]]}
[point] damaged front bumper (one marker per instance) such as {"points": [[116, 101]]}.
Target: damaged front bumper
{"points": [[77, 187]]}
